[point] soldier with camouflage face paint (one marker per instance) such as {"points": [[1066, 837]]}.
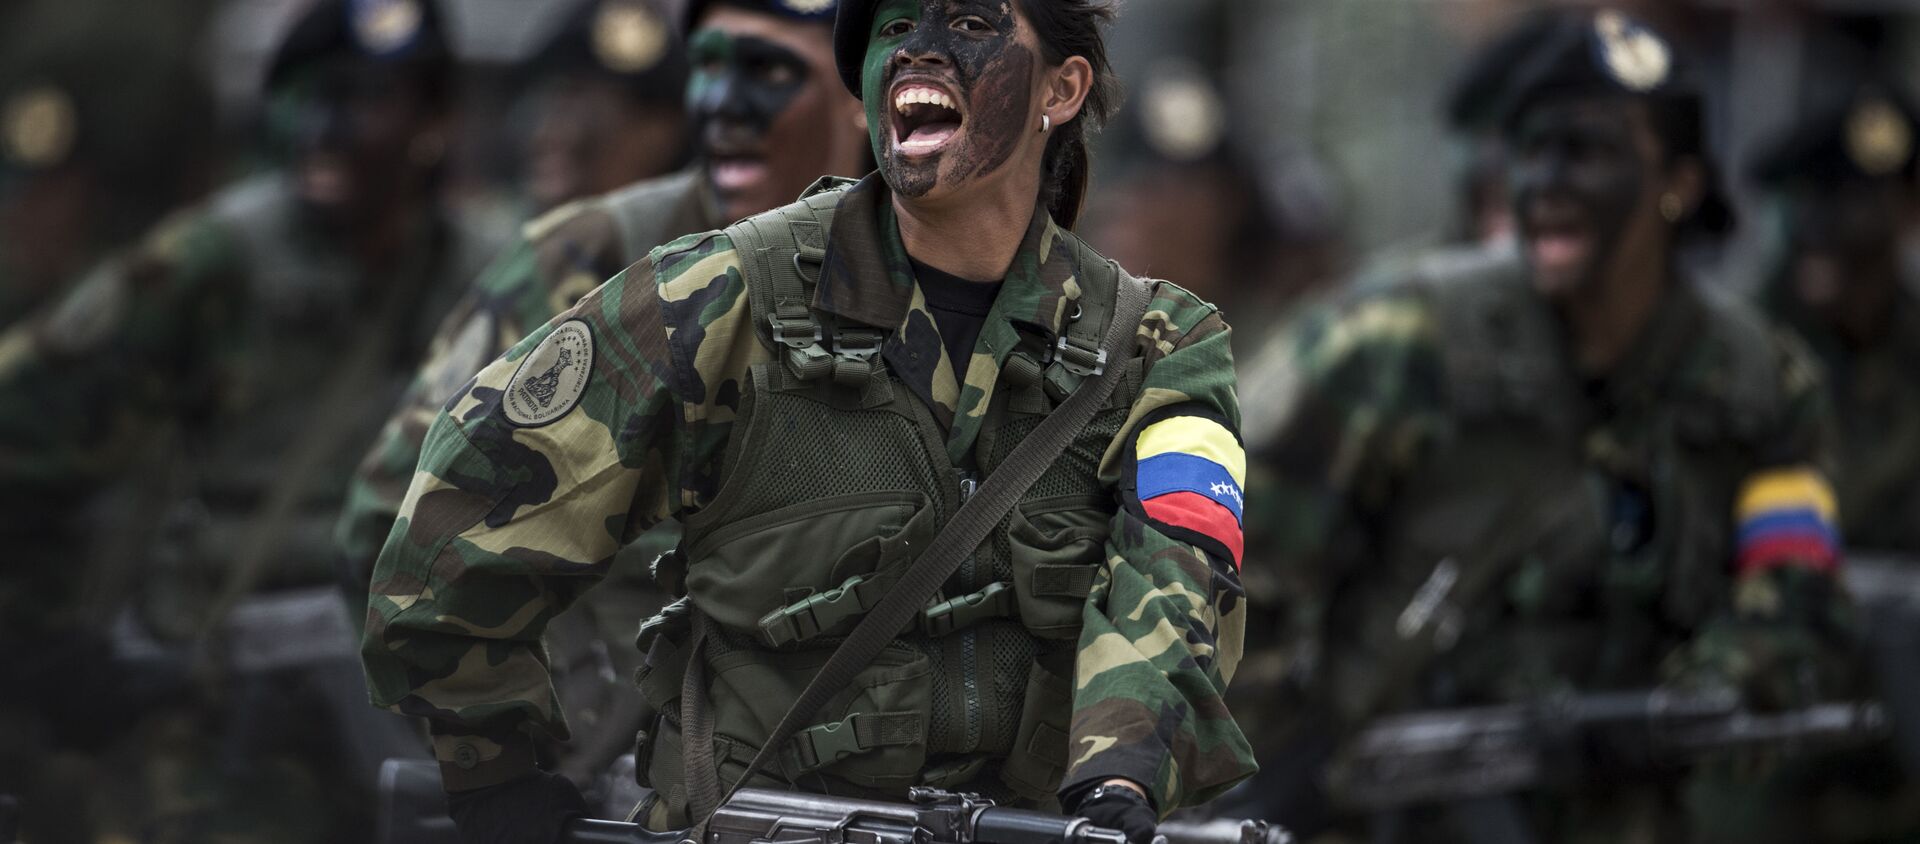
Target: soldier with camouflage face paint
{"points": [[1508, 476], [763, 82], [797, 391]]}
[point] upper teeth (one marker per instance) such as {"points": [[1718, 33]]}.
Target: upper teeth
{"points": [[930, 96]]}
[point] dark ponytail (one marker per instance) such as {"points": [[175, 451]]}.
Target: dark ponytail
{"points": [[1068, 28]]}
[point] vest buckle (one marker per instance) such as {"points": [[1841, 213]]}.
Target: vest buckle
{"points": [[824, 744], [1079, 360], [795, 332], [814, 614], [997, 600]]}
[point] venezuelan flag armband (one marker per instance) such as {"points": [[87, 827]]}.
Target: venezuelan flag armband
{"points": [[1787, 517], [1185, 475]]}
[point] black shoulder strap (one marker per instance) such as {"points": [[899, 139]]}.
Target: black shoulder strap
{"points": [[956, 540]]}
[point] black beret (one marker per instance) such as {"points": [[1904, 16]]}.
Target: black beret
{"points": [[406, 34], [1860, 127], [630, 41], [1567, 53], [1478, 91], [801, 11], [850, 40]]}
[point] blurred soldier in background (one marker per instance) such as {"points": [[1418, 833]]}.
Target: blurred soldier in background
{"points": [[90, 98], [1193, 208], [268, 332], [1567, 469], [609, 89], [771, 117], [1842, 180], [79, 137]]}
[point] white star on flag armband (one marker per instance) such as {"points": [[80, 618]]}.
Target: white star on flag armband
{"points": [[1186, 477]]}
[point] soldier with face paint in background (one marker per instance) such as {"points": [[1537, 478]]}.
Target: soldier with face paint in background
{"points": [[814, 392], [1563, 470], [608, 89], [769, 116]]}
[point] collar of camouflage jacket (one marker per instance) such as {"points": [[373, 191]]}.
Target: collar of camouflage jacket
{"points": [[867, 279]]}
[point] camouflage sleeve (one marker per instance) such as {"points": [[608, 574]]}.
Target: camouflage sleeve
{"points": [[1162, 628], [475, 332], [555, 260], [1351, 390], [529, 481], [1785, 635]]}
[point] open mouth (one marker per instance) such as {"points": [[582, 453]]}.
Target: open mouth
{"points": [[324, 179], [925, 118], [1558, 237], [736, 172]]}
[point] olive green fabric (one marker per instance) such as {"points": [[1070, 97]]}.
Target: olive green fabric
{"points": [[682, 381]]}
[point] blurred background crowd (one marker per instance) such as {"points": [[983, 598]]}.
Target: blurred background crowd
{"points": [[230, 230]]}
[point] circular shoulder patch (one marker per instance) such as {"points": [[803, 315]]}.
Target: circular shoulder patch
{"points": [[551, 379]]}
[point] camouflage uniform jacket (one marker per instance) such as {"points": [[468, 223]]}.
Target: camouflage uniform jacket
{"points": [[556, 260], [505, 523], [1453, 516], [1876, 397]]}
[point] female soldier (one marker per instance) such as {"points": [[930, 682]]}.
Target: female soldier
{"points": [[815, 392], [1561, 469]]}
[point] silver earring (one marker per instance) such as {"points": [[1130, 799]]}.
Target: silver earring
{"points": [[1046, 123]]}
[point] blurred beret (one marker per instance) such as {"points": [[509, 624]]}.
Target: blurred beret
{"points": [[632, 42], [799, 11], [405, 34]]}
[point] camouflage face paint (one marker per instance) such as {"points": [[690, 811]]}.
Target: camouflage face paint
{"points": [[741, 80], [1577, 180], [964, 47]]}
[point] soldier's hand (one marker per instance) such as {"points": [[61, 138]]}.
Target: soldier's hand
{"points": [[1121, 807], [533, 809]]}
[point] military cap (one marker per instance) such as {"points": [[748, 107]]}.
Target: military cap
{"points": [[1859, 128], [406, 34], [1581, 52], [1476, 94], [850, 40], [110, 87], [799, 11], [630, 41]]}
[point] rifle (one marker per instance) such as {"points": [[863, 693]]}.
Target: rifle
{"points": [[762, 816], [1455, 755]]}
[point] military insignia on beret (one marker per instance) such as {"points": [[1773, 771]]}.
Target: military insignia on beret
{"points": [[552, 377], [38, 127], [1878, 137], [1181, 113], [1636, 57], [628, 38], [807, 7], [386, 26]]}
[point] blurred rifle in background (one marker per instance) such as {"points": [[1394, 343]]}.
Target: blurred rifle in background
{"points": [[1449, 756]]}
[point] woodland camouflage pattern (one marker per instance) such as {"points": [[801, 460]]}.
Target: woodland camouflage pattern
{"points": [[495, 537], [557, 259]]}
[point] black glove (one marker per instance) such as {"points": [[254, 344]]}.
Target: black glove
{"points": [[533, 809], [1122, 808]]}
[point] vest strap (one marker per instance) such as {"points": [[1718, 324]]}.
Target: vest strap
{"points": [[997, 600], [820, 612], [824, 744]]}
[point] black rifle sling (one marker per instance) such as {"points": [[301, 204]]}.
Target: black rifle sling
{"points": [[956, 540]]}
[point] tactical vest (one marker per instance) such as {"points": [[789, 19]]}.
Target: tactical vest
{"points": [[835, 478], [1525, 554]]}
